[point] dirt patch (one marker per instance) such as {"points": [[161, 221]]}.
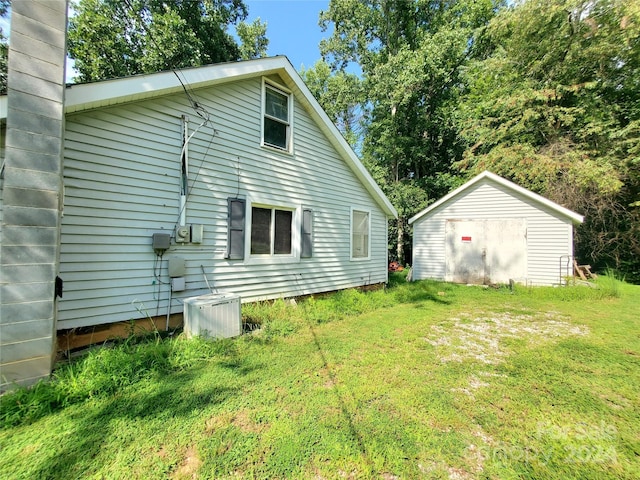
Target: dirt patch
{"points": [[240, 419], [482, 337], [189, 466], [487, 338]]}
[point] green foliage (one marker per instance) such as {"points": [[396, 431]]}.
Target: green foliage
{"points": [[111, 38], [543, 92], [104, 371], [4, 48], [411, 55], [341, 96], [254, 42]]}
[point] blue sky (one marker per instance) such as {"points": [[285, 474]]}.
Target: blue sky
{"points": [[292, 28]]}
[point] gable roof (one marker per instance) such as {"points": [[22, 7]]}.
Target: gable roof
{"points": [[86, 96], [492, 177]]}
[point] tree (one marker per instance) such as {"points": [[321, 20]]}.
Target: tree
{"points": [[4, 48], [340, 96], [254, 39], [411, 54], [115, 38], [555, 107]]}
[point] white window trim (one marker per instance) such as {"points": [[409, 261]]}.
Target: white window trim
{"points": [[294, 256], [368, 212], [284, 91]]}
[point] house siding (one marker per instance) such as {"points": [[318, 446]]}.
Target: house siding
{"points": [[549, 236], [122, 172]]}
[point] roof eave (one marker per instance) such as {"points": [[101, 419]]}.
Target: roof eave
{"points": [[86, 96]]}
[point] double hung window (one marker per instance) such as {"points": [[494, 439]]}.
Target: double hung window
{"points": [[276, 127], [283, 232], [271, 230]]}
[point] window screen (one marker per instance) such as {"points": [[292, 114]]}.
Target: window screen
{"points": [[271, 231], [360, 234], [276, 119], [235, 228], [306, 250], [260, 231]]}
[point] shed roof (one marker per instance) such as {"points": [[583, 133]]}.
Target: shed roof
{"points": [[88, 96], [487, 176]]}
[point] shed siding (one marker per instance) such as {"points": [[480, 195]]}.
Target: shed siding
{"points": [[122, 168], [548, 235]]}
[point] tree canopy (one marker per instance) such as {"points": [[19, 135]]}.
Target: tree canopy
{"points": [[431, 92], [115, 38], [4, 48], [411, 54]]}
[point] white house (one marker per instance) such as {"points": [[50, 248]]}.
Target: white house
{"points": [[228, 177], [491, 230]]}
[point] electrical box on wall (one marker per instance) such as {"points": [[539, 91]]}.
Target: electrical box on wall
{"points": [[196, 233], [161, 242], [189, 233], [183, 234], [178, 284], [177, 267]]}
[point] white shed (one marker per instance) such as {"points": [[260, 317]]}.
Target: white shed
{"points": [[491, 230]]}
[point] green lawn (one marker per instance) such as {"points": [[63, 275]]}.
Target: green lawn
{"points": [[423, 380]]}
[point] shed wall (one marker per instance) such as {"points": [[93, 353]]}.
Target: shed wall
{"points": [[548, 235], [122, 173]]}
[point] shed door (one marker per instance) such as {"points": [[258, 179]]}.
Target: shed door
{"points": [[485, 251]]}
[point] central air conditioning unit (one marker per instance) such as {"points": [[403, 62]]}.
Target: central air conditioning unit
{"points": [[215, 315]]}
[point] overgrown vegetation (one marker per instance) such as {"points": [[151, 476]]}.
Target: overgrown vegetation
{"points": [[425, 379]]}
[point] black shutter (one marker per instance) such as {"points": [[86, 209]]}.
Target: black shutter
{"points": [[306, 250], [235, 226]]}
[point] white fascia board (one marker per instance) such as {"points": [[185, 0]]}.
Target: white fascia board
{"points": [[111, 92], [575, 217]]}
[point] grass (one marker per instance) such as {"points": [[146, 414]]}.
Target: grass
{"points": [[422, 380]]}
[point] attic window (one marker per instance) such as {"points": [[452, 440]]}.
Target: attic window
{"points": [[276, 127]]}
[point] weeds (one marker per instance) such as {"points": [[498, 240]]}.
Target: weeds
{"points": [[105, 370], [605, 286]]}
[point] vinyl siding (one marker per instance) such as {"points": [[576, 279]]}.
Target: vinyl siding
{"points": [[3, 132], [122, 168], [549, 236]]}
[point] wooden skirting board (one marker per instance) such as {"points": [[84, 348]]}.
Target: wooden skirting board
{"points": [[73, 339], [76, 338]]}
